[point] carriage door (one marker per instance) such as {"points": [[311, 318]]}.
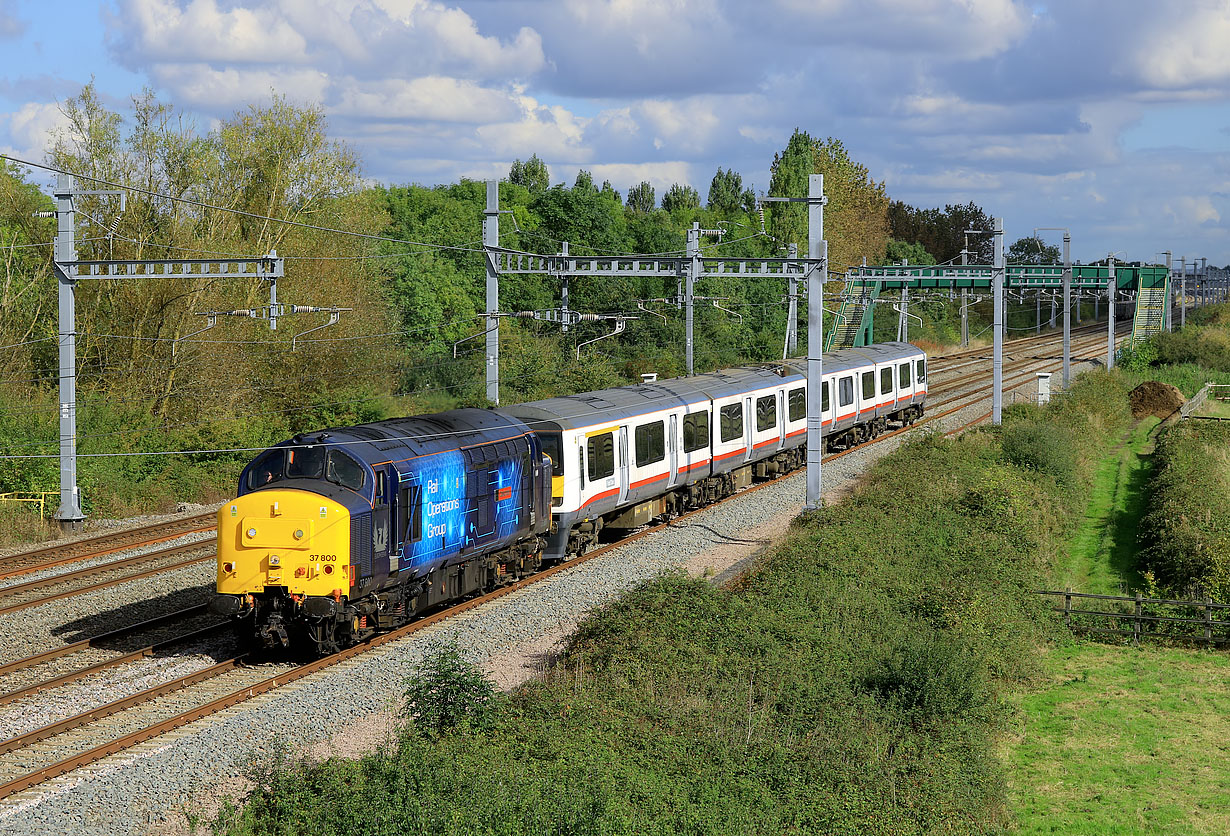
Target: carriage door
{"points": [[749, 426], [781, 419], [624, 474], [382, 528], [672, 449]]}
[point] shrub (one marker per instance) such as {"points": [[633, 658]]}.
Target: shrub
{"points": [[447, 692], [930, 676], [1044, 448]]}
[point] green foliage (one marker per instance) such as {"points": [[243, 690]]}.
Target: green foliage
{"points": [[942, 231], [1044, 448], [725, 192], [1186, 532], [1137, 356], [931, 677], [446, 693], [912, 252], [680, 199], [641, 198], [1032, 251], [532, 174]]}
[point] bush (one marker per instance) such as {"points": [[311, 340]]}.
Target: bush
{"points": [[932, 677], [1044, 448], [446, 692]]}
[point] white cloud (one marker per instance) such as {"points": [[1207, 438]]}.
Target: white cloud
{"points": [[1188, 48], [164, 30], [1193, 210], [33, 127], [434, 98], [202, 86], [550, 132], [660, 175]]}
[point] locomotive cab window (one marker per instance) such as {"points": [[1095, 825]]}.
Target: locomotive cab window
{"points": [[268, 468], [601, 456], [903, 375], [869, 386], [886, 380], [345, 471], [695, 431], [650, 443], [797, 401], [845, 391], [731, 422], [305, 463], [410, 514], [553, 447], [766, 413], [922, 370]]}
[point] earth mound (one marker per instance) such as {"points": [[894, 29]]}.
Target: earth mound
{"points": [[1155, 398]]}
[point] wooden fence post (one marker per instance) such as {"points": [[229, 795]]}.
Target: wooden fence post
{"points": [[1136, 624], [1208, 622], [1067, 608]]}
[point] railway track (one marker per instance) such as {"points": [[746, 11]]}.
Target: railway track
{"points": [[33, 593], [27, 562], [66, 745]]}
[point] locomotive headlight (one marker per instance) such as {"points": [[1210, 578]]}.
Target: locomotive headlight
{"points": [[298, 533], [328, 568], [228, 567], [251, 532], [274, 560]]}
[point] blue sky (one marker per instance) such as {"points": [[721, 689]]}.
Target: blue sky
{"points": [[1111, 117]]}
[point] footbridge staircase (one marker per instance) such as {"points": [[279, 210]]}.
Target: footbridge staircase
{"points": [[1150, 315], [854, 319]]}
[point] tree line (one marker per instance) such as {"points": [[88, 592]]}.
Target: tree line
{"points": [[409, 343]]}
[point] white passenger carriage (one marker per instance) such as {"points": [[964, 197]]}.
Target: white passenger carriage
{"points": [[622, 457]]}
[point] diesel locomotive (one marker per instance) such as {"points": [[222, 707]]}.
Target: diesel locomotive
{"points": [[337, 534]]}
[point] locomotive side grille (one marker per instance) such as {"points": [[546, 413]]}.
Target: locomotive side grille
{"points": [[361, 544]]}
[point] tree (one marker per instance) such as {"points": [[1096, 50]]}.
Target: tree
{"points": [[680, 198], [913, 253], [1033, 251], [532, 174], [856, 220], [447, 692], [584, 182], [641, 198], [725, 192], [942, 232]]}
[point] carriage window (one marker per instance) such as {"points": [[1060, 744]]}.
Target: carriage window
{"points": [[305, 463], [601, 456], [869, 386], [798, 404], [553, 447], [922, 370], [695, 431], [845, 391], [903, 375], [266, 469], [344, 471], [650, 443], [886, 380], [766, 413], [731, 423], [824, 397]]}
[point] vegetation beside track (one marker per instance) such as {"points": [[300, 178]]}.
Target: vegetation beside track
{"points": [[849, 685]]}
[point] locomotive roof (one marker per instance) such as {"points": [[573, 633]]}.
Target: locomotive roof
{"points": [[418, 435]]}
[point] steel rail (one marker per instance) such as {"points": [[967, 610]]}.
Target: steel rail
{"points": [[113, 582], [130, 656], [94, 641], [104, 544]]}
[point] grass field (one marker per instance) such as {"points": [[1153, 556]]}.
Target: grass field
{"points": [[1122, 741], [1102, 556]]}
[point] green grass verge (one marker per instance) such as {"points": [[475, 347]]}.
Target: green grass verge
{"points": [[1122, 741], [1102, 557]]}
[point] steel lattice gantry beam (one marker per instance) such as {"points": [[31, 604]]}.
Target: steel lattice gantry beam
{"points": [[512, 263], [1017, 276]]}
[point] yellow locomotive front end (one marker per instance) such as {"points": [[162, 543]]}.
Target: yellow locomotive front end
{"points": [[278, 549]]}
